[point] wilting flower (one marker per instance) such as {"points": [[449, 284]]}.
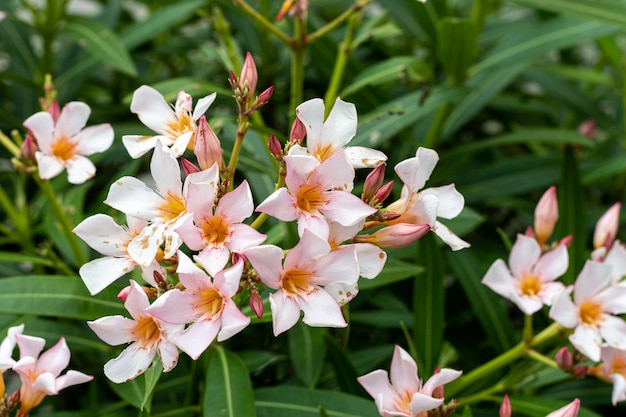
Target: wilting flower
{"points": [[316, 193], [405, 396], [146, 334], [530, 283], [40, 372], [323, 138], [64, 143], [593, 313], [174, 127], [308, 267], [205, 303]]}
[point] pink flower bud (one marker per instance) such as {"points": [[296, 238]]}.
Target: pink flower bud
{"points": [[256, 304], [265, 96], [566, 241], [234, 81], [298, 132], [54, 110], [123, 295], [546, 215], [588, 128], [372, 183], [564, 359], [188, 166], [606, 228], [505, 407], [394, 236], [29, 148], [249, 77], [580, 371], [275, 147], [207, 146], [530, 232], [570, 410], [384, 192]]}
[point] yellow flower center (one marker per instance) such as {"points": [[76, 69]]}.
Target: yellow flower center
{"points": [[209, 301], [310, 198], [403, 402], [324, 152], [147, 332], [172, 207], [296, 281], [64, 149], [590, 313], [530, 285], [215, 230], [618, 366], [183, 123]]}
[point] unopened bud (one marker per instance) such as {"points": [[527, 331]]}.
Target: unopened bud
{"points": [[546, 215], [384, 192], [249, 77], [123, 295], [28, 149], [265, 96], [188, 166], [275, 148], [54, 110], [580, 371], [570, 410], [386, 216], [394, 236], [606, 228], [530, 232], [256, 304], [13, 400], [234, 81], [567, 241], [287, 4], [207, 146], [160, 280], [298, 132], [564, 359], [505, 407], [588, 128], [373, 182]]}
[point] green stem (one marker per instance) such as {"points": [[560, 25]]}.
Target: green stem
{"points": [[502, 360], [263, 21], [10, 145], [340, 63], [480, 396], [298, 49], [434, 133], [356, 7], [541, 358], [242, 128], [61, 215], [528, 328]]}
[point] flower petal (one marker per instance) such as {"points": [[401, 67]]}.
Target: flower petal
{"points": [[72, 119], [102, 272], [48, 166], [203, 105], [267, 261], [102, 234], [403, 372], [196, 338], [94, 139], [132, 362], [114, 330], [79, 169], [361, 157], [321, 310], [41, 125], [311, 114], [236, 205], [233, 321], [131, 196], [552, 264], [285, 312], [451, 201], [55, 359], [152, 109], [524, 255], [280, 204], [339, 127]]}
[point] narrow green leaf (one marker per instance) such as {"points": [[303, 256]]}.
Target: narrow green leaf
{"points": [[307, 351], [613, 12], [345, 372], [102, 43], [486, 305], [572, 214], [138, 392], [389, 70], [287, 401], [457, 44], [542, 406], [12, 257], [395, 270], [151, 377], [416, 18], [228, 390], [56, 296], [609, 167], [467, 412]]}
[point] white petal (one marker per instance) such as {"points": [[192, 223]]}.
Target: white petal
{"points": [[94, 139], [500, 280], [139, 145], [79, 169], [267, 261], [403, 372], [131, 196], [414, 172], [72, 119], [335, 172], [42, 127], [361, 157], [166, 172], [371, 259], [451, 202], [131, 363], [168, 352], [233, 321], [321, 310], [564, 311], [587, 340], [49, 166], [311, 114], [591, 280], [421, 403], [102, 234], [102, 272], [236, 205], [346, 208], [340, 126], [175, 307], [613, 331], [449, 238], [196, 338], [342, 293], [151, 108], [524, 255], [280, 204], [285, 312], [114, 330], [203, 105], [552, 264]]}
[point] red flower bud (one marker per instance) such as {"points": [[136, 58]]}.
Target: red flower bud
{"points": [[207, 146], [505, 407], [384, 192], [275, 147], [256, 304], [564, 359], [373, 182], [298, 132], [188, 166], [395, 236]]}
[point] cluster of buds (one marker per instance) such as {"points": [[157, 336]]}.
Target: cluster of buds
{"points": [[244, 88], [570, 363]]}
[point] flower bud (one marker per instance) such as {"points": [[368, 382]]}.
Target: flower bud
{"points": [[287, 4], [606, 228], [505, 407], [373, 182], [265, 96], [580, 371], [28, 149], [570, 410], [256, 304], [123, 295], [249, 77], [566, 241], [298, 132], [275, 148], [384, 192], [54, 110], [546, 215], [188, 166], [394, 236], [530, 232], [564, 359], [207, 146], [588, 128]]}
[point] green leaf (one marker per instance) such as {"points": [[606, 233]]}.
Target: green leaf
{"points": [[391, 69], [12, 257], [138, 392], [102, 43], [542, 406], [395, 270], [467, 412], [287, 401], [613, 12], [345, 372], [457, 44], [56, 296], [151, 377], [307, 351], [416, 18], [228, 390], [486, 305]]}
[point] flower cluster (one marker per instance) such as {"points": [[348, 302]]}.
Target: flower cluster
{"points": [[39, 372], [200, 256]]}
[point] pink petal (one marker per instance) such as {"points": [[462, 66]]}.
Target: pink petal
{"points": [[196, 338], [55, 359], [102, 272], [342, 293], [346, 208], [45, 383], [151, 108], [321, 310], [451, 202], [616, 258], [94, 139], [102, 234], [139, 145], [361, 157], [233, 321], [79, 169], [227, 280], [243, 237], [132, 362], [449, 238], [414, 172], [30, 346], [421, 403], [203, 105], [613, 331], [570, 410], [338, 266], [267, 260], [299, 169], [131, 196], [280, 204], [48, 166], [403, 372], [200, 199], [137, 301], [213, 259], [440, 378], [190, 275], [168, 352], [376, 383], [236, 205], [619, 389], [552, 264], [174, 307], [339, 127], [564, 311], [313, 223], [424, 210], [500, 280], [114, 330], [285, 312], [528, 305], [311, 114], [524, 255], [42, 127], [591, 280], [309, 247], [192, 235], [335, 172], [72, 119], [71, 378]]}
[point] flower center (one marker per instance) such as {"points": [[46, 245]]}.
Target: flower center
{"points": [[324, 152], [209, 301], [147, 332], [296, 281], [215, 230], [403, 402], [618, 366], [172, 207], [590, 313], [530, 285], [182, 124], [310, 198], [64, 149]]}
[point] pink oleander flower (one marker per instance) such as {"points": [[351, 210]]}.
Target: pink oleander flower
{"points": [[405, 396], [6, 352], [309, 266], [323, 138], [205, 303], [546, 215], [530, 282], [594, 312], [175, 128], [165, 209], [616, 259], [146, 334], [570, 410], [217, 234], [102, 234], [613, 370], [423, 207], [39, 372], [64, 143], [316, 193]]}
